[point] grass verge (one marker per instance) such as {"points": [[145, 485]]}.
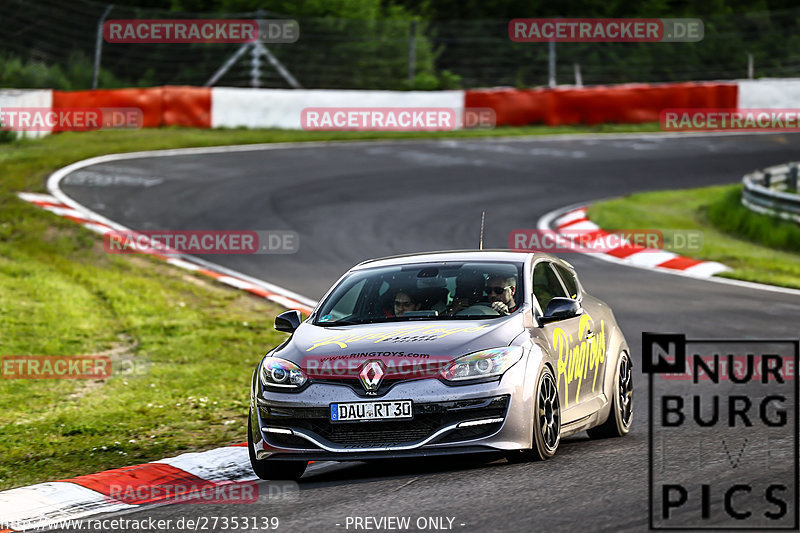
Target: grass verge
{"points": [[187, 345], [757, 247]]}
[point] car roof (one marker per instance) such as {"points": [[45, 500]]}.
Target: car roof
{"points": [[455, 255]]}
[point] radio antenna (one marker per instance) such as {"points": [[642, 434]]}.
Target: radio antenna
{"points": [[480, 242]]}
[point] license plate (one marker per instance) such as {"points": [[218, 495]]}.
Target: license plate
{"points": [[356, 411]]}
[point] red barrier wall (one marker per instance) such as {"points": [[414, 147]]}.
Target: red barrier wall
{"points": [[161, 106], [634, 103], [186, 106]]}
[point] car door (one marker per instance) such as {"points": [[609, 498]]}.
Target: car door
{"points": [[586, 357], [562, 336]]}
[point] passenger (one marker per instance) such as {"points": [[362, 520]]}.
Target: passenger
{"points": [[501, 291], [404, 301]]}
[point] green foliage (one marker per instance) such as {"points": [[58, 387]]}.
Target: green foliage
{"points": [[428, 81], [365, 44], [6, 136], [76, 75], [729, 215]]}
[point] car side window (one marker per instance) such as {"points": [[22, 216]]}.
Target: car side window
{"points": [[569, 281], [545, 284]]}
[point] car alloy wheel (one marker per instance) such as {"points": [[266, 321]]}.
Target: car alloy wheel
{"points": [[549, 413], [621, 414]]}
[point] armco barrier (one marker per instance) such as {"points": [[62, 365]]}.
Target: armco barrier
{"points": [[773, 191], [630, 104]]}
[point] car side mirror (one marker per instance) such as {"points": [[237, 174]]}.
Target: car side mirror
{"points": [[560, 309], [288, 321]]}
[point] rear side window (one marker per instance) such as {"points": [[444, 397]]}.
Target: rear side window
{"points": [[545, 284], [569, 280]]}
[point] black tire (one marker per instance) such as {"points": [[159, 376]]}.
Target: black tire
{"points": [[618, 423], [266, 469], [546, 422]]}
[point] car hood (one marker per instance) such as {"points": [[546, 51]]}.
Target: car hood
{"points": [[449, 338]]}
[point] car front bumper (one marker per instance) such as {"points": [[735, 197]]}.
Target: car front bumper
{"points": [[489, 416]]}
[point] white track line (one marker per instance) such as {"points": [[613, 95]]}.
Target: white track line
{"points": [[53, 185]]}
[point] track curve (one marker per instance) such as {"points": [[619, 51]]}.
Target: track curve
{"points": [[354, 201]]}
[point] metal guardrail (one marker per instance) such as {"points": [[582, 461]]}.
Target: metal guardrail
{"points": [[773, 191]]}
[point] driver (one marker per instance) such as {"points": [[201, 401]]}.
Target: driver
{"points": [[501, 291]]}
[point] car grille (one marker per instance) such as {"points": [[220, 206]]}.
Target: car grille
{"points": [[355, 385], [428, 419]]}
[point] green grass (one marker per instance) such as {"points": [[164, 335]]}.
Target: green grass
{"points": [[728, 215], [757, 247], [184, 347]]}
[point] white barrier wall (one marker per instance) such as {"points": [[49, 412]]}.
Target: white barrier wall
{"points": [[27, 98], [279, 108], [769, 94]]}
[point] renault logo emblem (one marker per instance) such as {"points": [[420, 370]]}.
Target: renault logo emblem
{"points": [[371, 376]]}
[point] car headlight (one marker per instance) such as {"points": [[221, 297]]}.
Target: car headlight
{"points": [[277, 372], [484, 364]]}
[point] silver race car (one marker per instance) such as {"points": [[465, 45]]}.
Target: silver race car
{"points": [[441, 353]]}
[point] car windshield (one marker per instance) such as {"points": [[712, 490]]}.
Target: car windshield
{"points": [[424, 291]]}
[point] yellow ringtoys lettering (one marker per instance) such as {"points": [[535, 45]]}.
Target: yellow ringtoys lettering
{"points": [[437, 332], [576, 361]]}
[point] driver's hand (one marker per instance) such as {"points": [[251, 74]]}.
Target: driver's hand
{"points": [[500, 307]]}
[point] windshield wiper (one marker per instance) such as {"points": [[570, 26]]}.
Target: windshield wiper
{"points": [[339, 323], [379, 320]]}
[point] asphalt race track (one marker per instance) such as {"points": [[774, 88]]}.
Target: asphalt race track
{"points": [[354, 201]]}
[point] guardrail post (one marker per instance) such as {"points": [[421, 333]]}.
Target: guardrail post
{"points": [[792, 185], [767, 179]]}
